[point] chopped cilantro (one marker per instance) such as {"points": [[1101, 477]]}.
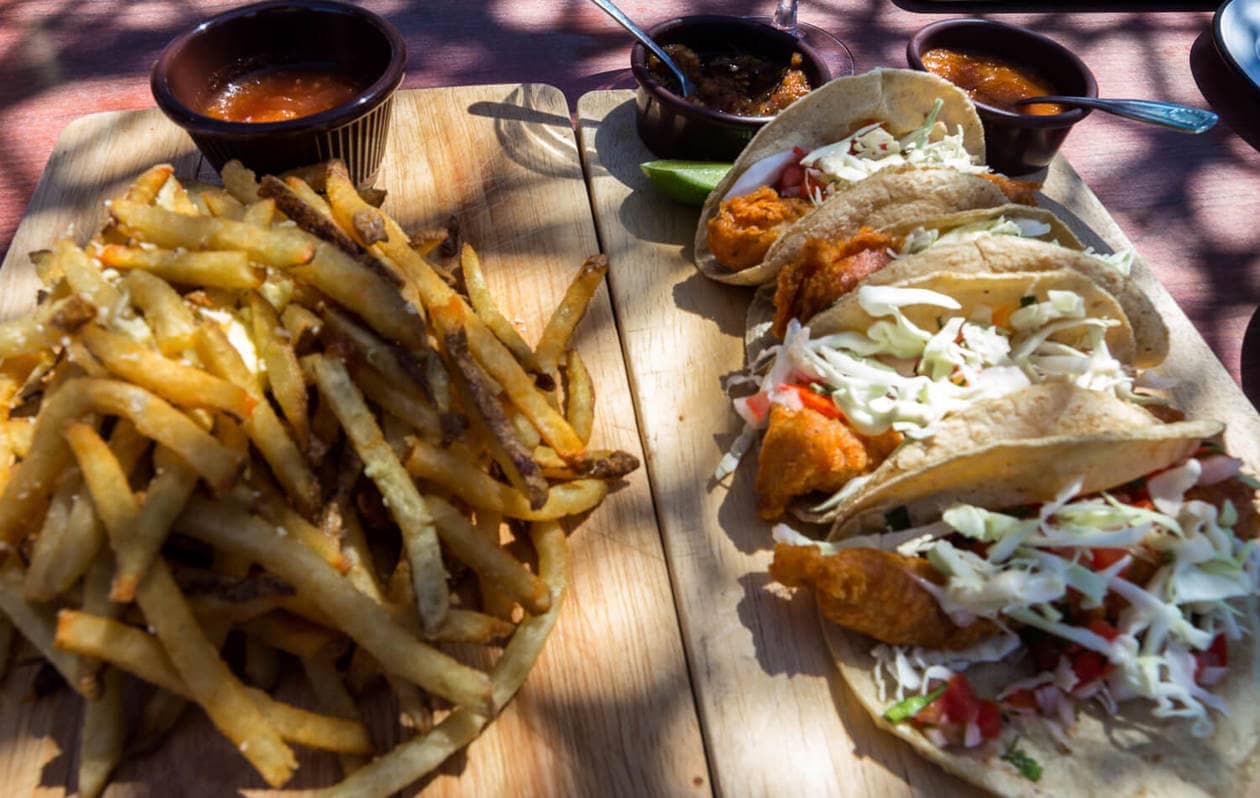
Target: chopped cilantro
{"points": [[1028, 767], [897, 519], [908, 708], [821, 389], [1025, 301]]}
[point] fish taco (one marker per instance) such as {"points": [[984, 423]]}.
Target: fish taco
{"points": [[918, 133], [1074, 617], [897, 361]]}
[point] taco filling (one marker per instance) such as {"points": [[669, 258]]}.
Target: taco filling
{"points": [[796, 179], [826, 271], [897, 379], [1121, 595]]}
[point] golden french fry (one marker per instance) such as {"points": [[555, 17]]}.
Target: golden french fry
{"points": [[164, 310], [170, 379], [479, 490], [413, 759], [283, 373], [170, 488], [300, 323], [484, 305], [222, 204], [279, 247], [239, 181], [209, 682], [263, 426], [174, 197], [407, 406], [217, 269], [369, 624], [37, 623], [68, 542], [363, 290], [404, 501], [504, 369], [141, 654], [86, 280], [267, 502], [597, 464], [104, 733], [559, 329], [295, 635], [493, 600], [260, 213], [579, 396], [45, 328]]}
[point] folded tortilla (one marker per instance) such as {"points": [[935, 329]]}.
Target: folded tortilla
{"points": [[1130, 752], [901, 99]]}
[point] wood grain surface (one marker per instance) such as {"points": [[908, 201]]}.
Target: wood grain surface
{"points": [[776, 717], [608, 710]]}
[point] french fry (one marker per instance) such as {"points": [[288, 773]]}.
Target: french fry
{"points": [[141, 654], [476, 488], [167, 315], [37, 623], [104, 734], [270, 505], [309, 212], [217, 269], [273, 246], [415, 758], [174, 197], [283, 373], [70, 539], [518, 386], [484, 305], [240, 182], [222, 204], [45, 329], [579, 396], [398, 366], [404, 501], [294, 635], [409, 407], [209, 682], [300, 323], [508, 451], [597, 464], [170, 379], [263, 426], [564, 320], [172, 484], [260, 213], [85, 279], [357, 615], [493, 600], [333, 698]]}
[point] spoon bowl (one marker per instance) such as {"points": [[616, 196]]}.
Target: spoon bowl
{"points": [[1182, 118]]}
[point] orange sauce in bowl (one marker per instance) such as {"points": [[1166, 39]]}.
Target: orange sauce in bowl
{"points": [[991, 80], [277, 94]]}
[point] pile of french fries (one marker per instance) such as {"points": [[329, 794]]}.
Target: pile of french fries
{"points": [[263, 414]]}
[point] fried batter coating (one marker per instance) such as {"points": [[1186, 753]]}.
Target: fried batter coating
{"points": [[876, 593], [745, 227], [1019, 191], [804, 451], [825, 272]]}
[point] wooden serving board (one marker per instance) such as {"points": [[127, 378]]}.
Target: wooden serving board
{"points": [[775, 715], [608, 710]]}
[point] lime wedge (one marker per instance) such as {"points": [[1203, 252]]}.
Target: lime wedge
{"points": [[689, 182]]}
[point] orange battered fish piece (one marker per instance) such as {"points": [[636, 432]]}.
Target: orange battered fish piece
{"points": [[745, 227], [804, 450], [876, 593], [825, 272], [1019, 191]]}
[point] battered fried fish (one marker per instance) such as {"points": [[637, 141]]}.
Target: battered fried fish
{"points": [[804, 451], [825, 272], [878, 594], [746, 226]]}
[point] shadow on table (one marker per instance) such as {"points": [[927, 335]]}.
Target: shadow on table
{"points": [[1249, 359], [1024, 6]]}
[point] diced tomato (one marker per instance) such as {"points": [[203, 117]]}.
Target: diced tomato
{"points": [[815, 401], [792, 177], [989, 720], [758, 404], [1022, 699], [1102, 559], [1103, 629], [1216, 656], [961, 704], [931, 715], [1089, 666]]}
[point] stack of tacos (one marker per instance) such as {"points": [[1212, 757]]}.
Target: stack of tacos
{"points": [[1030, 552]]}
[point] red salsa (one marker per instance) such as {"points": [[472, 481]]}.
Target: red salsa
{"points": [[991, 80], [276, 94]]}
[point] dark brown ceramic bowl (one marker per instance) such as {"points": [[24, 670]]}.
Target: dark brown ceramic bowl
{"points": [[1015, 144], [672, 127], [359, 43]]}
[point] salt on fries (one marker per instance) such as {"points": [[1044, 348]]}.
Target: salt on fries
{"points": [[230, 409]]}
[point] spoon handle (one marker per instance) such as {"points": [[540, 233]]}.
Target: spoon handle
{"points": [[1183, 118], [638, 33]]}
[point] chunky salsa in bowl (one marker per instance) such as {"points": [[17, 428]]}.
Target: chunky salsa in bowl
{"points": [[745, 72]]}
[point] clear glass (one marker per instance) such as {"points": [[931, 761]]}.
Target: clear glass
{"points": [[832, 51]]}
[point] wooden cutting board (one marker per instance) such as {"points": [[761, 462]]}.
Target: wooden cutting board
{"points": [[608, 710], [776, 717]]}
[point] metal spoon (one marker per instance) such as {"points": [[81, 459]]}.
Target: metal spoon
{"points": [[688, 88], [1183, 118]]}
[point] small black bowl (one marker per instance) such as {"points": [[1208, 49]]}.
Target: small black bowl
{"points": [[359, 43], [673, 127], [1015, 143]]}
